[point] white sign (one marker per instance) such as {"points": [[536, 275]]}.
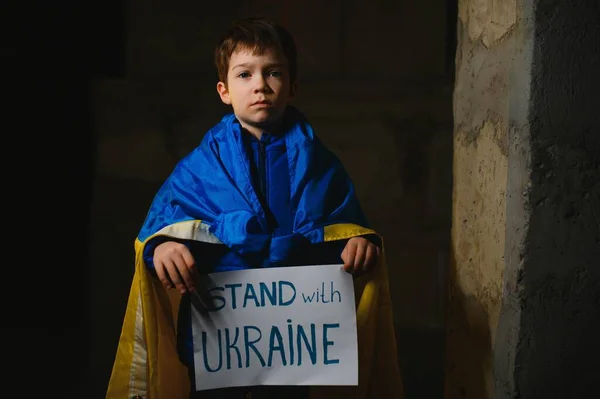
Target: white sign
{"points": [[275, 326]]}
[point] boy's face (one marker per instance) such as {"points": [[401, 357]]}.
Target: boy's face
{"points": [[258, 88]]}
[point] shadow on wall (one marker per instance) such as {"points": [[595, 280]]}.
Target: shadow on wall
{"points": [[468, 339]]}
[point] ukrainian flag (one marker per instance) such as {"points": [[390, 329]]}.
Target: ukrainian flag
{"points": [[209, 198]]}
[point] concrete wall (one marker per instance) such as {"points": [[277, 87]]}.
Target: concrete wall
{"points": [[378, 97], [486, 35], [523, 313], [558, 346]]}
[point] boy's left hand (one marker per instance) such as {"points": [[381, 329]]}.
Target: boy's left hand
{"points": [[360, 255]]}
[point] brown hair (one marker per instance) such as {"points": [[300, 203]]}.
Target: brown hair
{"points": [[258, 35]]}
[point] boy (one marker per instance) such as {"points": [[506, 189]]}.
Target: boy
{"points": [[266, 189]]}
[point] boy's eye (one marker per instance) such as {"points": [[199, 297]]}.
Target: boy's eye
{"points": [[244, 75], [275, 74]]}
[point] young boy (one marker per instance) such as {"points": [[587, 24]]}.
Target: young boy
{"points": [[262, 186]]}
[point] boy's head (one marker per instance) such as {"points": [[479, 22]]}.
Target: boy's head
{"points": [[256, 63]]}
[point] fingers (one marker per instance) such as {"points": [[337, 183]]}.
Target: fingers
{"points": [[162, 275], [175, 267], [177, 275], [174, 276], [360, 255], [185, 271], [369, 258], [348, 255], [188, 259], [359, 258]]}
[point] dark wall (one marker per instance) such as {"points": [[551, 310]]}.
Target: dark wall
{"points": [[360, 40], [50, 55], [560, 325], [374, 70]]}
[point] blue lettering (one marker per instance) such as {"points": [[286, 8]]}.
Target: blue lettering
{"points": [[333, 292], [232, 345], [250, 344], [312, 351], [323, 293], [205, 356], [264, 290], [279, 347], [291, 340], [289, 302], [250, 294], [327, 344], [309, 299], [216, 298], [233, 287]]}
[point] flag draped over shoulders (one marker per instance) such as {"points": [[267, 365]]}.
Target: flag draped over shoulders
{"points": [[209, 197]]}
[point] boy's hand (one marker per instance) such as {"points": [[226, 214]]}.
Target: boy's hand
{"points": [[175, 266], [360, 255]]}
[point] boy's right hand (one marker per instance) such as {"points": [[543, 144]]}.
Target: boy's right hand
{"points": [[175, 266]]}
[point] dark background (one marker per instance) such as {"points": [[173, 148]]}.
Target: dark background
{"points": [[57, 56]]}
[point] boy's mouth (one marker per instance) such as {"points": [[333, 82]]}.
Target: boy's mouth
{"points": [[263, 103]]}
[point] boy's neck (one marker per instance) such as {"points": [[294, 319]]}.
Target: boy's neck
{"points": [[253, 130], [257, 131]]}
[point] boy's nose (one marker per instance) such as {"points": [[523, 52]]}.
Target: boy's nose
{"points": [[261, 85]]}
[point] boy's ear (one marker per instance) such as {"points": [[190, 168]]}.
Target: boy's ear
{"points": [[294, 89], [223, 93]]}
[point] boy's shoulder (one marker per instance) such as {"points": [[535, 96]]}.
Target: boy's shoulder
{"points": [[210, 146], [221, 128], [218, 133]]}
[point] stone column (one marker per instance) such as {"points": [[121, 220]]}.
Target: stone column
{"points": [[523, 316]]}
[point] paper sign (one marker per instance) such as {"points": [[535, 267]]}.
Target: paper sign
{"points": [[275, 326]]}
